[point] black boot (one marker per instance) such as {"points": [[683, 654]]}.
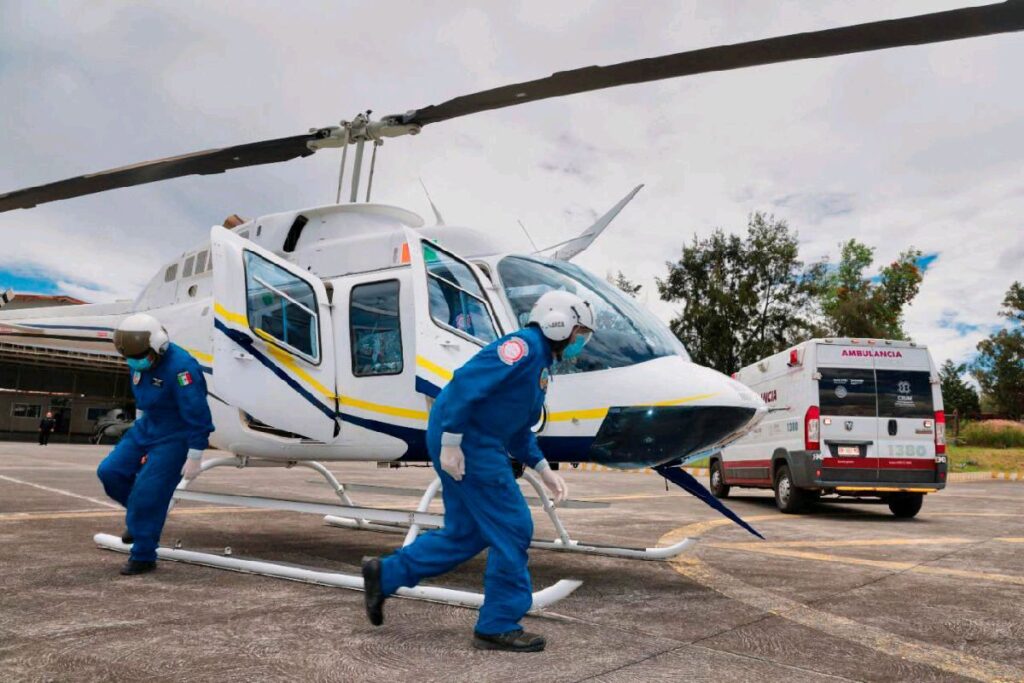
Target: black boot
{"points": [[511, 641], [126, 537], [373, 594], [132, 567]]}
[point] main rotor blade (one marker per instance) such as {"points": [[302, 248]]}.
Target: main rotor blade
{"points": [[203, 163], [878, 35]]}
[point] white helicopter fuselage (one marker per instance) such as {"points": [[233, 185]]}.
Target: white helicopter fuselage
{"points": [[325, 333]]}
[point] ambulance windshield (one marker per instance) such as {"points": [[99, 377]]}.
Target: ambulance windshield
{"points": [[626, 333]]}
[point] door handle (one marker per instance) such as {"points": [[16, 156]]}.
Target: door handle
{"points": [[242, 355], [893, 427], [450, 345]]}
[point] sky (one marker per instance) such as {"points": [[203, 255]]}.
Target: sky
{"points": [[915, 147]]}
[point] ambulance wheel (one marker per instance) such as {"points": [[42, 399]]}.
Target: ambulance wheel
{"points": [[718, 487], [906, 505], [788, 497]]}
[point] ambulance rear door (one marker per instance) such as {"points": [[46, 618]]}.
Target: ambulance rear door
{"points": [[906, 415], [847, 401]]}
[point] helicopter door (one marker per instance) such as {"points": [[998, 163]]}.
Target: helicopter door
{"points": [[454, 317], [273, 350]]}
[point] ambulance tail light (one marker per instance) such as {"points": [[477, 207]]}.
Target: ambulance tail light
{"points": [[812, 429], [940, 432]]}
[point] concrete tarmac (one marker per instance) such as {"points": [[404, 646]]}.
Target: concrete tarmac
{"points": [[845, 593]]}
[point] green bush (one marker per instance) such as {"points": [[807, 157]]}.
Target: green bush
{"points": [[994, 434]]}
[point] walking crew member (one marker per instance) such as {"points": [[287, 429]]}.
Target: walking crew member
{"points": [[165, 443], [46, 426], [482, 417]]}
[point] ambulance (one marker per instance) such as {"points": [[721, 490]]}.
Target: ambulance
{"points": [[851, 418]]}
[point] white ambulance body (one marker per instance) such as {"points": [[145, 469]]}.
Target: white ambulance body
{"points": [[850, 417]]}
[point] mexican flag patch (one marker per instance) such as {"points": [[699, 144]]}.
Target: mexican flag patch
{"points": [[184, 379]]}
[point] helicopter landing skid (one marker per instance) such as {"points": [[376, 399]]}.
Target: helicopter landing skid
{"points": [[564, 542], [448, 596]]}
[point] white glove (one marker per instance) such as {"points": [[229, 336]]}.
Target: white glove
{"points": [[193, 465], [453, 461], [553, 481]]}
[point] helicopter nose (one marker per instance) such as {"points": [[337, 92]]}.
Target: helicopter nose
{"points": [[646, 436]]}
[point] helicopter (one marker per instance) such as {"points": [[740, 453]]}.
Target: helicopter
{"points": [[327, 331]]}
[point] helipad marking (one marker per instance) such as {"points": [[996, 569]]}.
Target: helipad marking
{"points": [[62, 492], [872, 637], [869, 542], [745, 545], [75, 514], [889, 564]]}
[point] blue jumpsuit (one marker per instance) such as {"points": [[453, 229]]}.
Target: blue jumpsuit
{"points": [[492, 401], [145, 467]]}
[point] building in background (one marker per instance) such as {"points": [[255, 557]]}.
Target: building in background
{"points": [[78, 388]]}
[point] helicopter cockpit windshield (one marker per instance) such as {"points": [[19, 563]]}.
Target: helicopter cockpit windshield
{"points": [[626, 334]]}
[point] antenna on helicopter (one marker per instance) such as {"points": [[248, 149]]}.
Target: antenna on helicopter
{"points": [[437, 214], [525, 232]]}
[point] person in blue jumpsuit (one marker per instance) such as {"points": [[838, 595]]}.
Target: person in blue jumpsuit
{"points": [[168, 441], [483, 416]]}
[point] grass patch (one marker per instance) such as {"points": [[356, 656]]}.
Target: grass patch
{"points": [[699, 462], [992, 434], [982, 459]]}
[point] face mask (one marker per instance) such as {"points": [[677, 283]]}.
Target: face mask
{"points": [[139, 364], [576, 347]]}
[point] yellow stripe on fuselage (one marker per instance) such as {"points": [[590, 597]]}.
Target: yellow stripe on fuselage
{"points": [[434, 368], [230, 315], [601, 413], [199, 355], [395, 411]]}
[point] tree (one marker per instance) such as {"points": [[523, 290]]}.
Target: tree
{"points": [[858, 306], [999, 366], [625, 284], [957, 395], [743, 298]]}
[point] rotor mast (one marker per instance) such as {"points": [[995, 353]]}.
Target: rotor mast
{"points": [[360, 130]]}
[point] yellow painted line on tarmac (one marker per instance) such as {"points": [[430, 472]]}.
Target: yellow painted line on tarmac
{"points": [[971, 514], [638, 496], [891, 565], [868, 542], [880, 640], [1009, 540], [75, 514]]}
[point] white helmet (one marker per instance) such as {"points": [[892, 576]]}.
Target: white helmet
{"points": [[139, 334], [557, 312]]}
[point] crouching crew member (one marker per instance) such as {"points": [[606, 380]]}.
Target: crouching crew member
{"points": [[167, 442], [482, 417]]}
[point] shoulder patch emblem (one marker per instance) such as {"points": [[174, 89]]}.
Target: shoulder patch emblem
{"points": [[184, 378], [545, 378], [136, 377], [513, 350]]}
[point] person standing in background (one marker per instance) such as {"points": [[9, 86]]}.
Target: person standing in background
{"points": [[46, 427]]}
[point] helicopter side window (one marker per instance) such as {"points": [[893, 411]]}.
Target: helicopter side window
{"points": [[281, 308], [189, 262], [457, 301], [201, 262], [171, 273], [375, 329], [624, 334]]}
